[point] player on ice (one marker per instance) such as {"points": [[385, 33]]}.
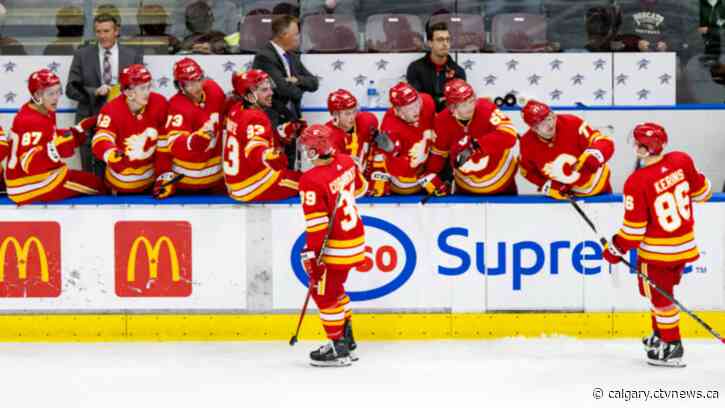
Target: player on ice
{"points": [[335, 239], [562, 155], [658, 221]]}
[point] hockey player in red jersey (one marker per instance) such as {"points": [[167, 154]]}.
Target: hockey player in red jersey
{"points": [[335, 235], [477, 139], [255, 165], [659, 221], [562, 155], [352, 131], [36, 150], [190, 147], [127, 131], [404, 144]]}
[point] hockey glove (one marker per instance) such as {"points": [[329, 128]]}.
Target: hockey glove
{"points": [[165, 185], [434, 185], [291, 130], [556, 190], [611, 253], [590, 160], [116, 160], [379, 185], [314, 270], [61, 147], [274, 158], [81, 129], [385, 143]]}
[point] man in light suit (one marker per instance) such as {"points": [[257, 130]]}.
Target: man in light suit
{"points": [[93, 73], [279, 59]]}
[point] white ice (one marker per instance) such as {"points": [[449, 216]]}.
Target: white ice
{"points": [[547, 372]]}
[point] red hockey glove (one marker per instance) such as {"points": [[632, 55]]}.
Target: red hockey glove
{"points": [[61, 147], [291, 130], [556, 190], [165, 185], [590, 160], [434, 185], [116, 160], [379, 184], [313, 269], [274, 158], [611, 253], [81, 129]]}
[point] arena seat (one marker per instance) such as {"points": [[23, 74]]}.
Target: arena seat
{"points": [[329, 33], [394, 33], [467, 30], [519, 32]]}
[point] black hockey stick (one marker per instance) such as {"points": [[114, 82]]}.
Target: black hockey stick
{"points": [[310, 286], [645, 278]]}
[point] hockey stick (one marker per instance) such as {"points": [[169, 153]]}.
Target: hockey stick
{"points": [[666, 295], [310, 286]]}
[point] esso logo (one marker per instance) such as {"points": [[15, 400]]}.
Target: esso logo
{"points": [[390, 260]]}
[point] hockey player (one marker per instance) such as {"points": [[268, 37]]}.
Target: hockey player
{"points": [[255, 165], [352, 131], [36, 150], [477, 139], [404, 144], [127, 131], [189, 155], [562, 155], [335, 232], [659, 220]]}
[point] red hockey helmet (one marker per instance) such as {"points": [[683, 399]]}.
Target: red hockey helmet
{"points": [[402, 94], [457, 91], [186, 69], [651, 135], [340, 99], [244, 82], [316, 140], [534, 112], [133, 75], [42, 79]]}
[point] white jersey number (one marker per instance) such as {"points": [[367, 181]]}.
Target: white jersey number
{"points": [[671, 208]]}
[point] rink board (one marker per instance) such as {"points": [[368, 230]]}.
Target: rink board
{"points": [[117, 268]]}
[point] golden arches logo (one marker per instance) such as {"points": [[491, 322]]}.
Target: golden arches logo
{"points": [[153, 258], [21, 253]]}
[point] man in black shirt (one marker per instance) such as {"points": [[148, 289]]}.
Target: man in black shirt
{"points": [[430, 73]]}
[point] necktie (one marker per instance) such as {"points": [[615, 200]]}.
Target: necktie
{"points": [[288, 58], [107, 75]]}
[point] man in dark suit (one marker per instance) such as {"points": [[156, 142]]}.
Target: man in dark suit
{"points": [[94, 75], [279, 59]]}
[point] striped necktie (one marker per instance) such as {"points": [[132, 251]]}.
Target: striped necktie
{"points": [[107, 75]]}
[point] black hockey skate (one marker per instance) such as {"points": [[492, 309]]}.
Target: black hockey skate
{"points": [[350, 339], [667, 355], [333, 354], [651, 342]]}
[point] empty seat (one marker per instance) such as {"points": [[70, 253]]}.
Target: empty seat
{"points": [[329, 33], [519, 32], [467, 30], [394, 33], [255, 31]]}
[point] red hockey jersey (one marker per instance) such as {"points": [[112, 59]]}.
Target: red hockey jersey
{"points": [[201, 170], [249, 136], [35, 166], [135, 135], [491, 168], [658, 215], [556, 159], [358, 143], [406, 164], [319, 190]]}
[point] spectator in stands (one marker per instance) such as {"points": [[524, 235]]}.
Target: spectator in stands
{"points": [[657, 26], [202, 40], [712, 19], [430, 73], [286, 8], [602, 26], [153, 22], [94, 75], [280, 60], [332, 6], [8, 46], [69, 22]]}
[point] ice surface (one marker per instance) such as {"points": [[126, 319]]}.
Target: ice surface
{"points": [[547, 372]]}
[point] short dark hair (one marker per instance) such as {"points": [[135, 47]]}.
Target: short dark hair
{"points": [[105, 18], [280, 24], [432, 28]]}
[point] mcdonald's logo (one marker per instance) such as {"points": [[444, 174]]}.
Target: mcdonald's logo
{"points": [[153, 258], [30, 259]]}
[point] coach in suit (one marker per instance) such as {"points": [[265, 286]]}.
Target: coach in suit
{"points": [[94, 71], [280, 60]]}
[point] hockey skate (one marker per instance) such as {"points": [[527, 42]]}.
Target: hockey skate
{"points": [[651, 342], [333, 354], [350, 340], [666, 355]]}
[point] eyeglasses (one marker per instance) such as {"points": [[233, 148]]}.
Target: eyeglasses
{"points": [[442, 40]]}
